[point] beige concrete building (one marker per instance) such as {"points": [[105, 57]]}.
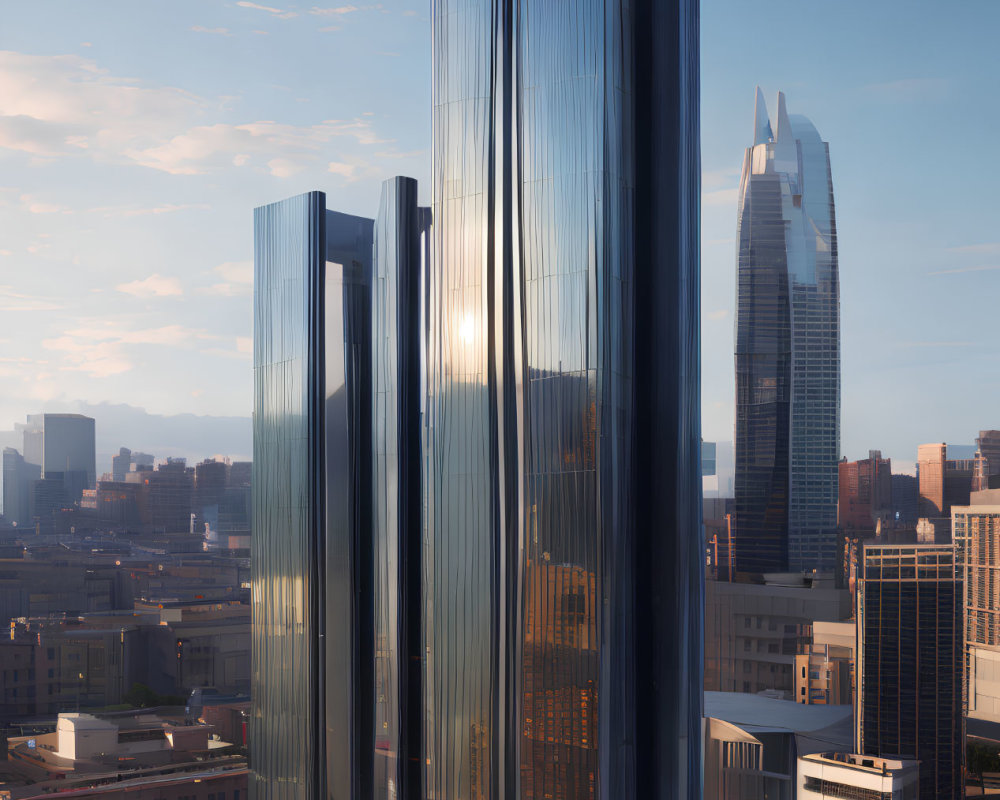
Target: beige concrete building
{"points": [[754, 631], [824, 675], [976, 529], [846, 775]]}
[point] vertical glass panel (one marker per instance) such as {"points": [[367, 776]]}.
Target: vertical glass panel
{"points": [[460, 506], [288, 262]]}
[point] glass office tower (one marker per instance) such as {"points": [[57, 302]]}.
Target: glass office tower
{"points": [[562, 582], [910, 662], [787, 351]]}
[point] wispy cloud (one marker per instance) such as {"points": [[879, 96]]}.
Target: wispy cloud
{"points": [[984, 248], [238, 280], [331, 12], [216, 31], [35, 206], [908, 90], [153, 286], [69, 107], [102, 348], [718, 314], [291, 148], [959, 270], [937, 344], [17, 301], [276, 12], [133, 211]]}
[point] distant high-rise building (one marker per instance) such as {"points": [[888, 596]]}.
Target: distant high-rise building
{"points": [[210, 479], [987, 461], [976, 533], [121, 464], [717, 484], [787, 351], [169, 496], [707, 459], [18, 478], [865, 489], [905, 499], [240, 473], [68, 453], [944, 482], [141, 461], [31, 434], [909, 670]]}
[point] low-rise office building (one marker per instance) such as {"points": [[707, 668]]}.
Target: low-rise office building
{"points": [[858, 777]]}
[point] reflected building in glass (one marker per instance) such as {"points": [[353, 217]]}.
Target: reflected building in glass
{"points": [[562, 588], [787, 351]]}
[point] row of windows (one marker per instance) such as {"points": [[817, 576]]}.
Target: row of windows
{"points": [[843, 790]]}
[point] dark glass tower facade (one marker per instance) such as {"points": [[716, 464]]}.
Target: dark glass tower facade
{"points": [[910, 662], [787, 351], [562, 570]]}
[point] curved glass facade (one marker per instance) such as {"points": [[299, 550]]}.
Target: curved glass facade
{"points": [[311, 549], [289, 247], [787, 351], [562, 522], [399, 261], [478, 563]]}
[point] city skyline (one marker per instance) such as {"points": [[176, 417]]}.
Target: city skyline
{"points": [[170, 188]]}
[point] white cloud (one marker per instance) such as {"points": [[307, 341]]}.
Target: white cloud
{"points": [[244, 344], [237, 271], [70, 107], [959, 270], [238, 280], [985, 247], [132, 211], [35, 206], [284, 167], [217, 31], [102, 348], [329, 12], [291, 149], [17, 301], [718, 314], [277, 12], [153, 286]]}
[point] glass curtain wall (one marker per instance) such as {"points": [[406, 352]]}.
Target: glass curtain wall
{"points": [[541, 508]]}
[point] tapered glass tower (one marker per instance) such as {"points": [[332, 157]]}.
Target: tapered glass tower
{"points": [[787, 351]]}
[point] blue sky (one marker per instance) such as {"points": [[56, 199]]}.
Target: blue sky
{"points": [[135, 139]]}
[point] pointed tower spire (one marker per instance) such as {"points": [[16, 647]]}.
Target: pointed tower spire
{"points": [[761, 124], [784, 130]]}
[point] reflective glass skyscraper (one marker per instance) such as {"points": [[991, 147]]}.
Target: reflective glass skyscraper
{"points": [[336, 486], [562, 572], [787, 350], [482, 579]]}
